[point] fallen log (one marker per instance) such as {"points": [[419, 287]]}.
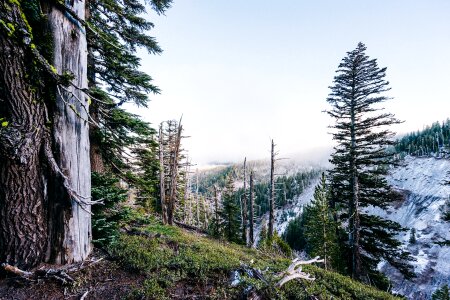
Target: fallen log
{"points": [[190, 227]]}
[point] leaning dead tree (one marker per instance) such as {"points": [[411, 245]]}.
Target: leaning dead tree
{"points": [[170, 155]]}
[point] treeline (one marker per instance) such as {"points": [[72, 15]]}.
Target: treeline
{"points": [[287, 186], [433, 140], [214, 201]]}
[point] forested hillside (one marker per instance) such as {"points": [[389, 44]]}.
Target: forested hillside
{"points": [[96, 202], [432, 140]]}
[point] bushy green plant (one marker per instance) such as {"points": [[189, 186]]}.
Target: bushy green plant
{"points": [[107, 217], [294, 233], [171, 256]]}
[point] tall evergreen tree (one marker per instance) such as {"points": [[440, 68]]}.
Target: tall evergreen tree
{"points": [[230, 213], [320, 227], [360, 161]]}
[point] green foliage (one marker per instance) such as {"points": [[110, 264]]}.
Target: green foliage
{"points": [[320, 227], [330, 286], [229, 224], [274, 245], [3, 123], [106, 218], [360, 163], [294, 234], [116, 30], [430, 141], [443, 293], [288, 187], [412, 236], [171, 256], [147, 180]]}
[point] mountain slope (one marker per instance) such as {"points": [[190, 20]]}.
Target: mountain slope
{"points": [[155, 261], [421, 181], [287, 213]]}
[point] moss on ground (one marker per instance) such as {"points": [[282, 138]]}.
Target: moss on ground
{"points": [[181, 265]]}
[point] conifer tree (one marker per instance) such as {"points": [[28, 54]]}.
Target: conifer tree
{"points": [[320, 227], [360, 161], [412, 236], [230, 213], [294, 234], [442, 293], [116, 30]]}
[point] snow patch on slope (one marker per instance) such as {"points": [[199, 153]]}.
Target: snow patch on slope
{"points": [[422, 182], [287, 213]]}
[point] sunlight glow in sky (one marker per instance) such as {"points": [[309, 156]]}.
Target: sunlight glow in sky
{"points": [[243, 72]]}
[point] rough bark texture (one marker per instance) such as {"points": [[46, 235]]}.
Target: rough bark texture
{"points": [[70, 224], [23, 230], [174, 175]]}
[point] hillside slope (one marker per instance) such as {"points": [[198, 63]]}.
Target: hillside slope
{"points": [[421, 181], [287, 213], [164, 262]]}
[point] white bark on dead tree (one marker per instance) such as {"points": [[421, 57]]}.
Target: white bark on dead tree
{"points": [[71, 138]]}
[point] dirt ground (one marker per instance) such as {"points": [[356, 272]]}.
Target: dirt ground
{"points": [[103, 280]]}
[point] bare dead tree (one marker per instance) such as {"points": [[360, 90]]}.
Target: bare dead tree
{"points": [[272, 192], [170, 167], [186, 192], [244, 206], [174, 175], [162, 187], [251, 234], [205, 212], [197, 202], [216, 205]]}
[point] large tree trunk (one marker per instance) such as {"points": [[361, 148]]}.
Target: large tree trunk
{"points": [[354, 205], [23, 231], [70, 223], [38, 220]]}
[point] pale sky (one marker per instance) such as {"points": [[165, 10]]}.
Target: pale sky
{"points": [[243, 72]]}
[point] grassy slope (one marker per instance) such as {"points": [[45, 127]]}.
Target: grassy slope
{"points": [[180, 265]]}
